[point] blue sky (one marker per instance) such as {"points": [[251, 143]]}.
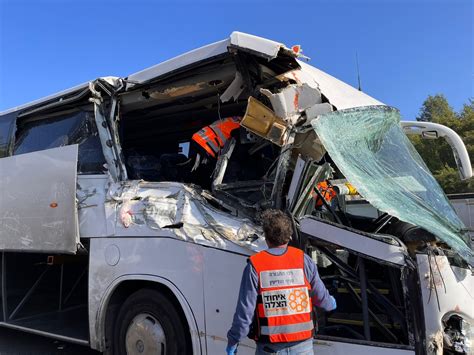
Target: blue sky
{"points": [[408, 49]]}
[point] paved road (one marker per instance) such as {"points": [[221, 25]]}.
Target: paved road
{"points": [[13, 342]]}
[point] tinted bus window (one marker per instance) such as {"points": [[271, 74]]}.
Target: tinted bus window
{"points": [[78, 128], [6, 129]]}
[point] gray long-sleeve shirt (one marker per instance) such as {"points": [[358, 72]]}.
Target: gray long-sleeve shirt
{"points": [[247, 300]]}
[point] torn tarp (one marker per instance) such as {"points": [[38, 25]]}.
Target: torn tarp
{"points": [[183, 211]]}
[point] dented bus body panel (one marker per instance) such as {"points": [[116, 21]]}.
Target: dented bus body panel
{"points": [[136, 221]]}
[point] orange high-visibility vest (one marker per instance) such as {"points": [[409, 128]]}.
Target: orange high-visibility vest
{"points": [[327, 191], [212, 138], [284, 307]]}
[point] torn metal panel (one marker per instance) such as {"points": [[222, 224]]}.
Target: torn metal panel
{"points": [[435, 343], [113, 81], [182, 211], [318, 109], [338, 93], [292, 100], [38, 201], [258, 45], [234, 90]]}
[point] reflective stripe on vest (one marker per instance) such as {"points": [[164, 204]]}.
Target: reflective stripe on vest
{"points": [[216, 129], [284, 307], [209, 141], [212, 138], [292, 328], [205, 140]]}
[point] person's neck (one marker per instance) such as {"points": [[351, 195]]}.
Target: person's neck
{"points": [[283, 246]]}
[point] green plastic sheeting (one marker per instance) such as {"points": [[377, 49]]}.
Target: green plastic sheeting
{"points": [[372, 151]]}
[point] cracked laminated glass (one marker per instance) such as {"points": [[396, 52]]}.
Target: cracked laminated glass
{"points": [[371, 150]]}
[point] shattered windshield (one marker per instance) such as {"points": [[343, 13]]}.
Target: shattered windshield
{"points": [[371, 150]]}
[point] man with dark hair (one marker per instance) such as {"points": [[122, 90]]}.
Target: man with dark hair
{"points": [[278, 289]]}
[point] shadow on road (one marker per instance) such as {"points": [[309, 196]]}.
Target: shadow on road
{"points": [[14, 342]]}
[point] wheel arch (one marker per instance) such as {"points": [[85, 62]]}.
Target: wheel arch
{"points": [[123, 287]]}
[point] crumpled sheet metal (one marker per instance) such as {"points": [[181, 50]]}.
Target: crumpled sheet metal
{"points": [[435, 343], [91, 195], [256, 44], [181, 210], [292, 100], [338, 93], [234, 90]]}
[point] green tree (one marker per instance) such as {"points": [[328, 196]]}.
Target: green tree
{"points": [[467, 126], [437, 153], [435, 109]]}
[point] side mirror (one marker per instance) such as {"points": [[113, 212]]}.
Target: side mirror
{"points": [[430, 130]]}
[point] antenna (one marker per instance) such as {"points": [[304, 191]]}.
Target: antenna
{"points": [[358, 72]]}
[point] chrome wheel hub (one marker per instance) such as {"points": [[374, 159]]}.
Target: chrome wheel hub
{"points": [[145, 335]]}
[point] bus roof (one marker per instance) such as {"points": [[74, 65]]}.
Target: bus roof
{"points": [[253, 44]]}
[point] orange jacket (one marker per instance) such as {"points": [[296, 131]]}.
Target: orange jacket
{"points": [[327, 191], [212, 138], [284, 308]]}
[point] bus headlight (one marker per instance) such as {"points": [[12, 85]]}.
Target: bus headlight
{"points": [[458, 335]]}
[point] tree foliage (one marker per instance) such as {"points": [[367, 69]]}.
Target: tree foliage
{"points": [[437, 153]]}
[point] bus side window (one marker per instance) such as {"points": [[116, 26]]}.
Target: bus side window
{"points": [[76, 128], [7, 124]]}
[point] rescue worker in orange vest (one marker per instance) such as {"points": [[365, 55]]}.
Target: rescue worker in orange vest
{"points": [[278, 290], [205, 147], [211, 139], [327, 191], [330, 192]]}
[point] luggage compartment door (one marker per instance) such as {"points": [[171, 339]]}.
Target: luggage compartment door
{"points": [[38, 211]]}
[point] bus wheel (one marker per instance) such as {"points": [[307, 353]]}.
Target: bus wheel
{"points": [[148, 323]]}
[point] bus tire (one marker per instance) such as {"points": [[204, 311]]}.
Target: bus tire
{"points": [[148, 323]]}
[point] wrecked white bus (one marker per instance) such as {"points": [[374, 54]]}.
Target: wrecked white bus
{"points": [[108, 241]]}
